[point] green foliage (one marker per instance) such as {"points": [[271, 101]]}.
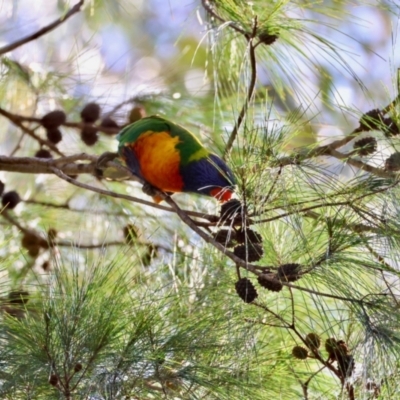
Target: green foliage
{"points": [[100, 332], [156, 315]]}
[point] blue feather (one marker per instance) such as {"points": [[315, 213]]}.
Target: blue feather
{"points": [[206, 174]]}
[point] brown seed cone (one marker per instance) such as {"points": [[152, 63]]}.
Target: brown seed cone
{"points": [[52, 233], [149, 255], [29, 240], [272, 285], [390, 128], [250, 253], [108, 122], [313, 341], [300, 352], [54, 135], [18, 297], [10, 199], [246, 290], [89, 136], [345, 364], [365, 146], [393, 162], [231, 209], [248, 235], [90, 113], [53, 119], [225, 237], [288, 272], [43, 153], [51, 237], [267, 38], [130, 233], [33, 242], [16, 311], [331, 347], [371, 120], [33, 251], [78, 367], [53, 380], [46, 265], [136, 113]]}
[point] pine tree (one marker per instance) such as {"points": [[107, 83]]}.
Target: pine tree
{"points": [[287, 291]]}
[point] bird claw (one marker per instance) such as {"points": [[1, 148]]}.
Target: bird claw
{"points": [[149, 189], [103, 160], [152, 191]]}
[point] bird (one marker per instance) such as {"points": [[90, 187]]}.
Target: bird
{"points": [[168, 157]]}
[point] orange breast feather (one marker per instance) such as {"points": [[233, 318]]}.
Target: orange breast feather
{"points": [[159, 160]]}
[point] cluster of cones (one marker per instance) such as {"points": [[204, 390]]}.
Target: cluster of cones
{"points": [[247, 245], [338, 351]]}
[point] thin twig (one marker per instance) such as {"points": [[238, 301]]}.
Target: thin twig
{"points": [[60, 173], [42, 242], [351, 226], [34, 165], [30, 132], [307, 382], [266, 198], [292, 305], [250, 91], [42, 31], [331, 296], [66, 206], [329, 150], [383, 262], [88, 246], [286, 324], [303, 210], [76, 125], [192, 224], [210, 10], [183, 215]]}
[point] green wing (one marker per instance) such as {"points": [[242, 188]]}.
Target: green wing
{"points": [[132, 132], [189, 146]]}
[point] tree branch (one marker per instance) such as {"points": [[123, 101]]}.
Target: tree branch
{"points": [[16, 121], [34, 165], [76, 125], [183, 215], [42, 31], [329, 150], [61, 174], [210, 10]]}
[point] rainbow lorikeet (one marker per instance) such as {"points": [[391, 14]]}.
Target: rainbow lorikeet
{"points": [[172, 159]]}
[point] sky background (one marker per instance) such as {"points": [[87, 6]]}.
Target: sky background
{"points": [[114, 51]]}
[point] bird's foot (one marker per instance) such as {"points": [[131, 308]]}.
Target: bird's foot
{"points": [[103, 160], [152, 191], [149, 189]]}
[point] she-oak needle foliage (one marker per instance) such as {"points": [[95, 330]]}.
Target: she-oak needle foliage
{"points": [[289, 291]]}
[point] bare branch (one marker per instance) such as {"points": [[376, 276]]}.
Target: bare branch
{"points": [[76, 125], [329, 150], [34, 165], [42, 31], [183, 215], [60, 173], [16, 121]]}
